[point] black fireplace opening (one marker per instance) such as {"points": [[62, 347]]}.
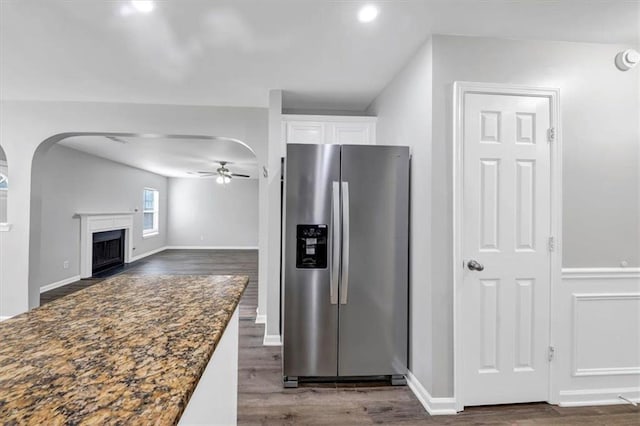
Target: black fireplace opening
{"points": [[108, 250]]}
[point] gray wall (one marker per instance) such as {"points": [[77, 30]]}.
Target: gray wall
{"points": [[30, 128], [73, 182], [3, 193], [205, 214], [600, 136], [404, 118], [600, 125], [599, 107]]}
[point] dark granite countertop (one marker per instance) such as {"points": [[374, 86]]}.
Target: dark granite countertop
{"points": [[129, 350]]}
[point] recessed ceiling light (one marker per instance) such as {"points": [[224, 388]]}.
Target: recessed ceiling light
{"points": [[143, 6], [367, 13]]}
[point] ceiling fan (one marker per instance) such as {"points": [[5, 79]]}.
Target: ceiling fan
{"points": [[223, 174]]}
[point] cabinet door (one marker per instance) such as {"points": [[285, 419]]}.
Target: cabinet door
{"points": [[353, 134], [305, 132]]}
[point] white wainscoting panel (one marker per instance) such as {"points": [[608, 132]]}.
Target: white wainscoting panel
{"points": [[597, 337], [592, 331]]}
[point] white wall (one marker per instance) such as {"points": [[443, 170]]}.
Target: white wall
{"points": [[27, 124], [601, 134], [404, 118], [72, 182], [277, 150], [4, 194], [203, 213], [600, 131]]}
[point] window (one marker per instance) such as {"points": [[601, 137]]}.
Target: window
{"points": [[4, 186], [150, 212]]}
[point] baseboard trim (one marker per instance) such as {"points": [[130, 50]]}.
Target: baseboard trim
{"points": [[149, 253], [75, 278], [599, 273], [4, 318], [586, 397], [272, 340], [260, 318], [211, 248], [60, 283], [434, 406]]}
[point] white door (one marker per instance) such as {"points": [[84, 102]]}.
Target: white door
{"points": [[506, 229]]}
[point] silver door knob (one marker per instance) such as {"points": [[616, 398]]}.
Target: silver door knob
{"points": [[475, 266]]}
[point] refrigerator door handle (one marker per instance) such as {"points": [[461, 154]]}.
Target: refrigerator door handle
{"points": [[335, 243], [344, 290]]}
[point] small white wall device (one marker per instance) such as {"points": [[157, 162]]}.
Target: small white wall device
{"points": [[627, 59]]}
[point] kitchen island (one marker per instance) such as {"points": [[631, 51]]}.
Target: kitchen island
{"points": [[129, 350]]}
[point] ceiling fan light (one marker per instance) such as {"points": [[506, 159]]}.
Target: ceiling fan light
{"points": [[220, 180], [143, 6], [227, 179]]}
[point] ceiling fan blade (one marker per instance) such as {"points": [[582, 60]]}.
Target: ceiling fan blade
{"points": [[202, 173], [239, 175]]}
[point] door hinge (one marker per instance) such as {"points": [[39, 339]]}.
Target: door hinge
{"points": [[551, 134], [552, 353], [551, 244]]}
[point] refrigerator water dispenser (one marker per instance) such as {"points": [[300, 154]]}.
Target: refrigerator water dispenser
{"points": [[311, 250]]}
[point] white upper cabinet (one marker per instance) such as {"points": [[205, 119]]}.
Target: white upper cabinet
{"points": [[304, 131], [329, 129]]}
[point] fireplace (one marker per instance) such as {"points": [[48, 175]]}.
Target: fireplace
{"points": [[108, 250], [94, 223]]}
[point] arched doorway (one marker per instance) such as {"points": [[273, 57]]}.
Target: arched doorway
{"points": [[4, 188], [69, 178]]}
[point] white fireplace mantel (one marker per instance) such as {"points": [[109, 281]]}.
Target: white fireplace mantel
{"points": [[91, 223]]}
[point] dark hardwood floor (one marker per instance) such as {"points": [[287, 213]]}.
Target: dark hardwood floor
{"points": [[263, 400]]}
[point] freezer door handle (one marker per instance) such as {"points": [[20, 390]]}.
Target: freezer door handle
{"points": [[344, 291], [335, 243]]}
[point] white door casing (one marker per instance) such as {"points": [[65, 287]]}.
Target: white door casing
{"points": [[504, 209]]}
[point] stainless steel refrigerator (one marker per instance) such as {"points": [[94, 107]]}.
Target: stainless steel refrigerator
{"points": [[345, 287]]}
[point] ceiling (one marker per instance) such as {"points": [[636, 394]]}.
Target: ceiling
{"points": [[173, 156], [231, 52]]}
